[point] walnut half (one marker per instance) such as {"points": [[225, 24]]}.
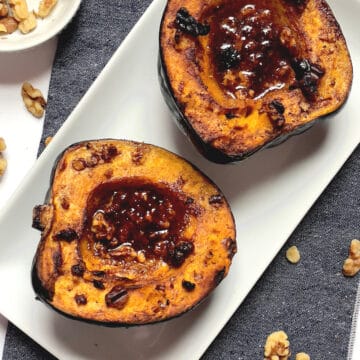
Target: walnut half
{"points": [[8, 25], [277, 346], [33, 99]]}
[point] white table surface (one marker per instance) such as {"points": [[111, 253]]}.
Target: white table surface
{"points": [[21, 131]]}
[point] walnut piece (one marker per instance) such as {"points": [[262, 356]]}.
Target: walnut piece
{"points": [[2, 144], [19, 9], [45, 8], [33, 99], [287, 38], [3, 162], [352, 264], [293, 255], [48, 140], [302, 356], [3, 165], [277, 346], [3, 9], [8, 25], [28, 24]]}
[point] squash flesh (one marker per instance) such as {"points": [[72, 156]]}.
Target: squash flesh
{"points": [[67, 270]]}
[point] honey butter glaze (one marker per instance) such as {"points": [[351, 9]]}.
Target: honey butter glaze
{"points": [[246, 51], [133, 220], [253, 48]]}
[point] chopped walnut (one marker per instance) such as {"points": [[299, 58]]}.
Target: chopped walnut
{"points": [[2, 144], [287, 38], [33, 99], [45, 8], [293, 255], [302, 356], [3, 165], [101, 228], [8, 25], [352, 264], [48, 140], [78, 164], [3, 10], [3, 162], [277, 346], [141, 258], [29, 24], [304, 106], [19, 9]]}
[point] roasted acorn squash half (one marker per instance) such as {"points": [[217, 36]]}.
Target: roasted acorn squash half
{"points": [[242, 75], [131, 234]]}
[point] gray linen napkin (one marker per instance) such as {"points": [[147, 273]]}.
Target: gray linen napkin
{"points": [[311, 301]]}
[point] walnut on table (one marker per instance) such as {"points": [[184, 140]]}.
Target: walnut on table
{"points": [[277, 346], [352, 264], [293, 255], [48, 140], [3, 162], [3, 165], [2, 145], [33, 99], [302, 356]]}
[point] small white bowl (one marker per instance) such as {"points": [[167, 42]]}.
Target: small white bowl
{"points": [[46, 28]]}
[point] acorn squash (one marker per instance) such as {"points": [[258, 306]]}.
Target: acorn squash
{"points": [[131, 234], [243, 75]]}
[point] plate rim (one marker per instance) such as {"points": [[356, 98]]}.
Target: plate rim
{"points": [[78, 109]]}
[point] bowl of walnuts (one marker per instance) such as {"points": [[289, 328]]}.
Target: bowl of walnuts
{"points": [[28, 23]]}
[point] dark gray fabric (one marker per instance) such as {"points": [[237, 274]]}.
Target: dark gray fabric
{"points": [[312, 301]]}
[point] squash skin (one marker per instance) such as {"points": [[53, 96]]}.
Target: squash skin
{"points": [[189, 91], [52, 275]]}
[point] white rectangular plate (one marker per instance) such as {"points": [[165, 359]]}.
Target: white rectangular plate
{"points": [[277, 186]]}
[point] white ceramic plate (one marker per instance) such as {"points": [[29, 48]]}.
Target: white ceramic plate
{"points": [[277, 186], [46, 28]]}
